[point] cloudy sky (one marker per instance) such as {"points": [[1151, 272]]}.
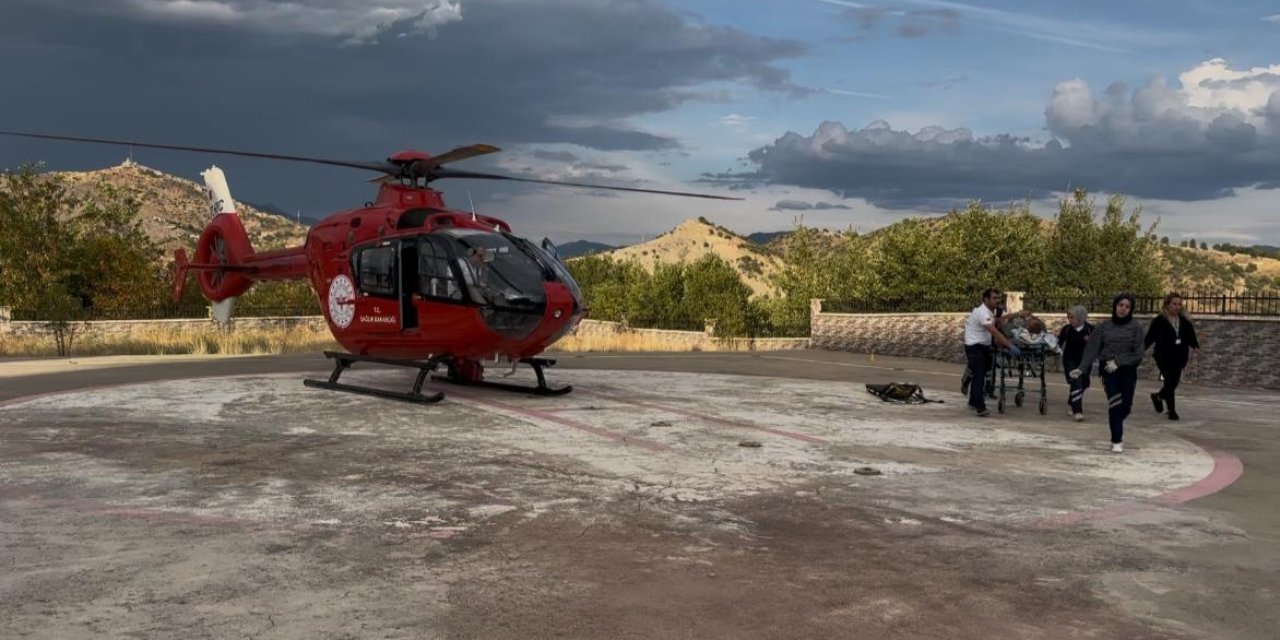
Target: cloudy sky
{"points": [[843, 113]]}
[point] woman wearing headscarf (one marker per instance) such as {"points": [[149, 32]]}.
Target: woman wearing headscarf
{"points": [[1072, 339], [1175, 339], [1117, 344]]}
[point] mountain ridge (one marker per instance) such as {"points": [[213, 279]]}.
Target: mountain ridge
{"points": [[173, 210]]}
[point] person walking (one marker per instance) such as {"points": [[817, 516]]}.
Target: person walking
{"points": [[979, 333], [1117, 344], [1175, 340], [1072, 339]]}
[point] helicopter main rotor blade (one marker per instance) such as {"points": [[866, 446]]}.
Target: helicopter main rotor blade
{"points": [[454, 173], [381, 167], [461, 153]]}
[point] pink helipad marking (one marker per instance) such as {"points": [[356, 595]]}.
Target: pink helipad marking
{"points": [[1226, 470], [98, 508], [572, 424]]}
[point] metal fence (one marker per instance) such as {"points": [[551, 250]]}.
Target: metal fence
{"points": [[908, 304], [1193, 304]]}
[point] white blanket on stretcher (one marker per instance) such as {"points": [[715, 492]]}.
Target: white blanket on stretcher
{"points": [[1024, 338]]}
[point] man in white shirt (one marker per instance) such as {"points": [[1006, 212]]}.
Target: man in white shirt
{"points": [[979, 332]]}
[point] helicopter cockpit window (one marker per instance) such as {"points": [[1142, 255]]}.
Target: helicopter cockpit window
{"points": [[436, 277], [376, 271], [497, 272]]}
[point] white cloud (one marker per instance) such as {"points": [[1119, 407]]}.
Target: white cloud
{"points": [[736, 120], [354, 20], [858, 94], [191, 9], [1213, 87], [1211, 99], [1275, 18]]}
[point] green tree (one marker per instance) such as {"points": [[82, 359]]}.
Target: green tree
{"points": [[814, 265], [958, 255], [65, 258], [606, 284], [713, 290], [1092, 254], [656, 299]]}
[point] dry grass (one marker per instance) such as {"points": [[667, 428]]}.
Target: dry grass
{"points": [[196, 340], [623, 341]]}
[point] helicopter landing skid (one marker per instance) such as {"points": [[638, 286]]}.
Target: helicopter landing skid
{"points": [[344, 360], [538, 364]]}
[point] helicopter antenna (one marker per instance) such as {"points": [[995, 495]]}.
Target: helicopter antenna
{"points": [[473, 205]]}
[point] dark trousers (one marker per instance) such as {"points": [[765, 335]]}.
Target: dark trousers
{"points": [[1172, 376], [1120, 387], [979, 357], [1075, 397]]}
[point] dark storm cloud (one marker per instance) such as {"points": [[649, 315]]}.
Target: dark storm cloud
{"points": [[801, 205], [555, 156], [326, 77], [905, 23], [1148, 143]]}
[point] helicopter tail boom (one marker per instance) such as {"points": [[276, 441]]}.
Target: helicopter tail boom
{"points": [[225, 263]]}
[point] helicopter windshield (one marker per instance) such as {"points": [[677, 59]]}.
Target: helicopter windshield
{"points": [[498, 273]]}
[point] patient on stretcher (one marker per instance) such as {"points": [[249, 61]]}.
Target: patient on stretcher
{"points": [[1030, 332]]}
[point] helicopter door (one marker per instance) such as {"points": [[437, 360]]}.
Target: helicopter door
{"points": [[378, 283], [408, 283]]}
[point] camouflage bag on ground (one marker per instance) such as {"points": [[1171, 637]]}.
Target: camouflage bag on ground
{"points": [[899, 392]]}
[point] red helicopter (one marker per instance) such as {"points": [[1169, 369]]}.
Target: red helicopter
{"points": [[404, 280]]}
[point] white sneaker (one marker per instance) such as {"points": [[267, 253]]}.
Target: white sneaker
{"points": [[1079, 417], [1117, 447]]}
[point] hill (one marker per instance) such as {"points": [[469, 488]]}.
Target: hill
{"points": [[579, 248], [274, 209], [1199, 271], [174, 210], [1211, 272], [695, 238]]}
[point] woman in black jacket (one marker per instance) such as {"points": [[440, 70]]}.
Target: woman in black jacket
{"points": [[1175, 339]]}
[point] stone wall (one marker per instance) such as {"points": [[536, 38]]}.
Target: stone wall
{"points": [[141, 328], [1236, 351], [589, 335]]}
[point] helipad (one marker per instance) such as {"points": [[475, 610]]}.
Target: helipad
{"points": [[248, 503]]}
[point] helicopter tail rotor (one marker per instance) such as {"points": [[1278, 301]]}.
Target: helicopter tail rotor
{"points": [[221, 252]]}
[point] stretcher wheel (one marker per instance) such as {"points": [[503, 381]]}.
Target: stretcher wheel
{"points": [[1044, 406], [1017, 399]]}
